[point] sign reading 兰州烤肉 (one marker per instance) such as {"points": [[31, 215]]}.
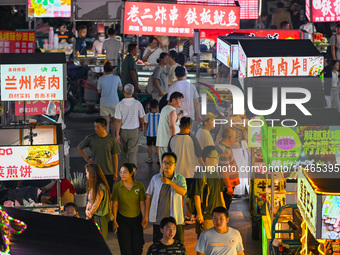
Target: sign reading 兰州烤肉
{"points": [[29, 162], [32, 82], [177, 19]]}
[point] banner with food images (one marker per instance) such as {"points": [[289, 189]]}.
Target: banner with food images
{"points": [[29, 162]]}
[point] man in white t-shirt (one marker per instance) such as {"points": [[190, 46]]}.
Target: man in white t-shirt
{"points": [[129, 117], [221, 239], [167, 122], [191, 105], [203, 134]]}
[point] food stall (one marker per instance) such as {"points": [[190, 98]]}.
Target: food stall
{"points": [[28, 79], [163, 19]]}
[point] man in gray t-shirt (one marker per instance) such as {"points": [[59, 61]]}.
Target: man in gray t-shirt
{"points": [[335, 43], [112, 47], [104, 149], [221, 239]]}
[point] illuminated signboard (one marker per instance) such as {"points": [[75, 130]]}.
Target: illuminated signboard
{"points": [[234, 61], [223, 52], [307, 203], [34, 107], [242, 61], [49, 8], [177, 20], [212, 34], [249, 8], [17, 162], [323, 10], [307, 8], [17, 41], [32, 82], [284, 66]]}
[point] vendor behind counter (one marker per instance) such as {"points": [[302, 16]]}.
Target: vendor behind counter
{"points": [[81, 47], [63, 34]]}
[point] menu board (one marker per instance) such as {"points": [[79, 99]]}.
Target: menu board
{"points": [[17, 41]]}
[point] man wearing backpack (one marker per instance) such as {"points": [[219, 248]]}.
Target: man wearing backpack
{"points": [[335, 43], [208, 190]]}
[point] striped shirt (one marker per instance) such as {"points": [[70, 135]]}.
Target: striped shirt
{"points": [[159, 248], [152, 119]]}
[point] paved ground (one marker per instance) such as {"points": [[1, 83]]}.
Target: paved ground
{"points": [[81, 124]]}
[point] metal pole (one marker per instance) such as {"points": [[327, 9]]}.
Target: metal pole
{"points": [[58, 195]]}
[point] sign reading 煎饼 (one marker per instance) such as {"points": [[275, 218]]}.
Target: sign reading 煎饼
{"points": [[32, 82], [177, 19]]}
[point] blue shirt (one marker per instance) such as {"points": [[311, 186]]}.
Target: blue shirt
{"points": [[108, 84], [81, 46], [152, 119]]}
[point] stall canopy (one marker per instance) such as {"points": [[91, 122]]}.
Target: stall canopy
{"points": [[279, 48], [51, 234], [101, 10]]}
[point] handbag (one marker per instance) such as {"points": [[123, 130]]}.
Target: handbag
{"points": [[110, 216]]}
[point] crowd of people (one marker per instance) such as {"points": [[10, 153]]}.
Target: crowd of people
{"points": [[171, 129]]}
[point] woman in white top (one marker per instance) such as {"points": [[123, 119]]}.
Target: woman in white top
{"points": [[173, 63], [152, 52], [335, 85]]}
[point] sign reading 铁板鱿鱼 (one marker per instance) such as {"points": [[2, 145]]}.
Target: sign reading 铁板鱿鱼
{"points": [[177, 19], [32, 82]]}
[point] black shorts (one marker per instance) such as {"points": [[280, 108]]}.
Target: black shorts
{"points": [[151, 140]]}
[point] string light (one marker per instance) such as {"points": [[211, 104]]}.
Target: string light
{"points": [[6, 226], [98, 227]]}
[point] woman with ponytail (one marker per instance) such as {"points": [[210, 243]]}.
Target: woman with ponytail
{"points": [[128, 198]]}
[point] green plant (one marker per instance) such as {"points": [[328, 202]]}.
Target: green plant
{"points": [[79, 182]]}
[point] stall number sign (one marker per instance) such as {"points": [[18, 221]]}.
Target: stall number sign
{"points": [[177, 19], [17, 42], [307, 202], [223, 52], [324, 10], [284, 66], [32, 82], [16, 162]]}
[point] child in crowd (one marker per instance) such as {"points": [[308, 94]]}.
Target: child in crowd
{"points": [[71, 210], [150, 128], [167, 245]]}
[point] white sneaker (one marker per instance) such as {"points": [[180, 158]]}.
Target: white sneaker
{"points": [[148, 160]]}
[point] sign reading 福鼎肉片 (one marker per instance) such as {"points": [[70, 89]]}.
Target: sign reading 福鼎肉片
{"points": [[177, 19], [32, 82]]}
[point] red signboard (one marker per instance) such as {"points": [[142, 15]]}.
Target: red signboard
{"points": [[249, 8], [17, 41], [307, 11], [325, 10], [176, 19], [34, 107], [272, 34]]}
